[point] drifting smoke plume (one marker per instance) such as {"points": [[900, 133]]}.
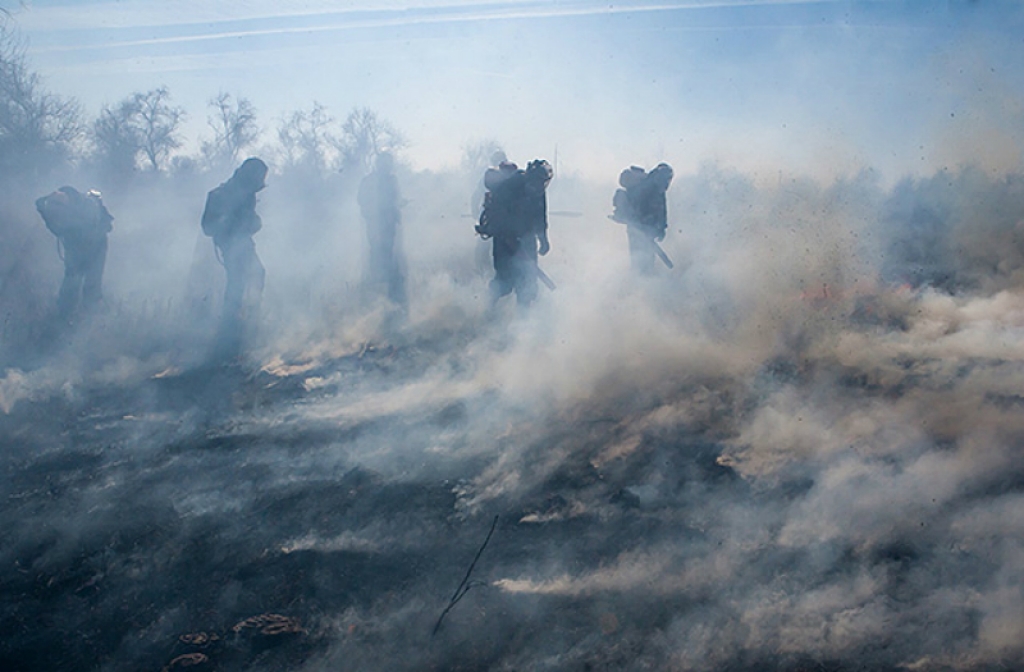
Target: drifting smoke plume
{"points": [[796, 450], [777, 457]]}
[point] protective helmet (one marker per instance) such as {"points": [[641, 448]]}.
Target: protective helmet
{"points": [[663, 174], [539, 170], [631, 177]]}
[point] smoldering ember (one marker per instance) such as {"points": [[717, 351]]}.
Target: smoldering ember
{"points": [[452, 374]]}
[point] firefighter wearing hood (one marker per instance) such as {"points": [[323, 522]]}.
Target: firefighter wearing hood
{"points": [[230, 219]]}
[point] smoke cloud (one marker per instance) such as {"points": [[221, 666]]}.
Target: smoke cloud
{"points": [[798, 449]]}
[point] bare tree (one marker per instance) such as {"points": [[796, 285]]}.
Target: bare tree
{"points": [[116, 138], [234, 128], [364, 136], [157, 122], [143, 126], [307, 138], [36, 127]]}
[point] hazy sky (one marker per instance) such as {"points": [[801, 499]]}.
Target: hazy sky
{"points": [[822, 86]]}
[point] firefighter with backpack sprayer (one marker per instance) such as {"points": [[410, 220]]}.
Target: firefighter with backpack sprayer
{"points": [[81, 224], [641, 205], [515, 216], [230, 219]]}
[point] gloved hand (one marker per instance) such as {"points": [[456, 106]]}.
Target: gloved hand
{"points": [[545, 246], [661, 236]]}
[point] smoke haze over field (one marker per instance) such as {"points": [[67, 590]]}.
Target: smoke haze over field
{"points": [[816, 87], [798, 449]]}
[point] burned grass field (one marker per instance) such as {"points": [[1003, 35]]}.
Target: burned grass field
{"points": [[792, 442], [849, 501]]}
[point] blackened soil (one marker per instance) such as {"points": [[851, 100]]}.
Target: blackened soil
{"points": [[203, 521]]}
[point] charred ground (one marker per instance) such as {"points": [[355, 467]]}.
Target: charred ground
{"points": [[229, 518]]}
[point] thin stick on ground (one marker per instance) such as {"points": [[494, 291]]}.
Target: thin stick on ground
{"points": [[464, 587]]}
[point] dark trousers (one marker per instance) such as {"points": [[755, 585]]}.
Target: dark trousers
{"points": [[243, 291], [83, 274], [641, 251], [385, 267], [515, 268]]}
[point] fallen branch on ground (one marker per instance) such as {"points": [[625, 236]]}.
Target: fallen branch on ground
{"points": [[466, 584]]}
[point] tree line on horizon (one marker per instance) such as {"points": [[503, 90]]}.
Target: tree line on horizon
{"points": [[42, 132]]}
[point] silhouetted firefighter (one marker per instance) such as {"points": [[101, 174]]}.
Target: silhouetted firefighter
{"points": [[81, 223], [380, 204], [515, 216], [640, 204], [230, 219]]}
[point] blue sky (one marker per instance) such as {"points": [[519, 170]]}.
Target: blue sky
{"points": [[821, 87]]}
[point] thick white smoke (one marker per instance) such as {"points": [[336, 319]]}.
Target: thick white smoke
{"points": [[798, 449]]}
